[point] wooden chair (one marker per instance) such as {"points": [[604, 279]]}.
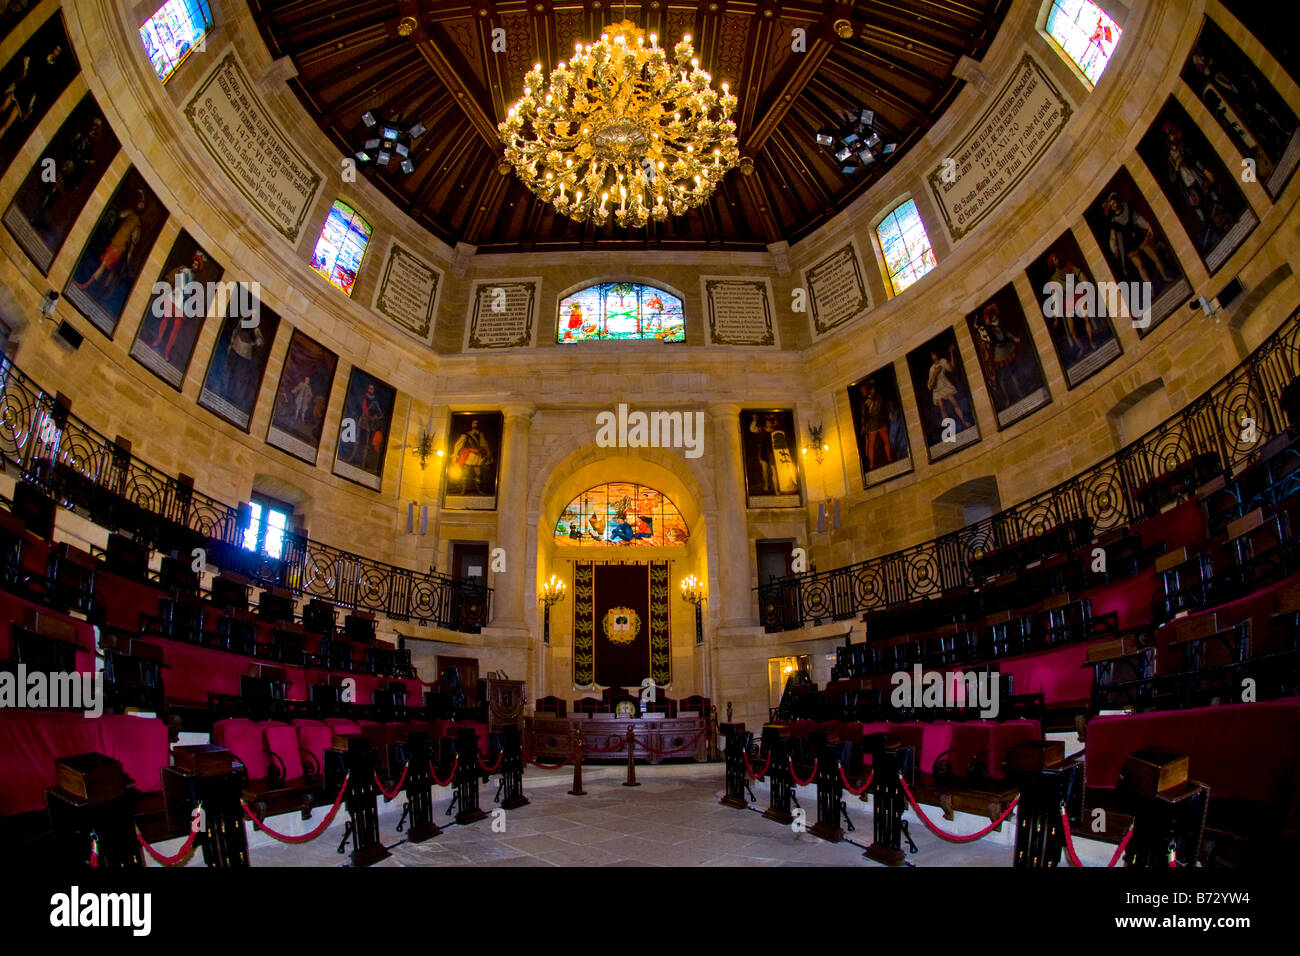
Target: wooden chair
{"points": [[589, 705], [549, 705], [71, 578], [696, 703]]}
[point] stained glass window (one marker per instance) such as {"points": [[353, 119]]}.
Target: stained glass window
{"points": [[175, 30], [621, 310], [906, 246], [1085, 33], [621, 513], [341, 245]]}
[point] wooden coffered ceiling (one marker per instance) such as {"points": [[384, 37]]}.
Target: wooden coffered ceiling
{"points": [[898, 61]]}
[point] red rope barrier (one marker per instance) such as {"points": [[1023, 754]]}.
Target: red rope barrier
{"points": [[1069, 843], [862, 789], [750, 770], [389, 797], [450, 776], [495, 767], [554, 766], [803, 783], [284, 837], [955, 837], [176, 857]]}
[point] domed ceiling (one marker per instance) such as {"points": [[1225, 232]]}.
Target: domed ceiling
{"points": [[434, 61]]}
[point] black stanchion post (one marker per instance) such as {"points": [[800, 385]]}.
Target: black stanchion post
{"points": [[830, 794], [1046, 785], [362, 802], [467, 775], [91, 812], [780, 782], [205, 774], [734, 754], [887, 805], [419, 788], [512, 769], [1167, 807]]}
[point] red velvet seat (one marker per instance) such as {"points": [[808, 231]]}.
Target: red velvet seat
{"points": [[282, 743], [314, 738], [1243, 751], [31, 740], [246, 741], [986, 742]]}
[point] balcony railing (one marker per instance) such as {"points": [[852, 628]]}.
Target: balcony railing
{"points": [[94, 476], [1223, 428]]}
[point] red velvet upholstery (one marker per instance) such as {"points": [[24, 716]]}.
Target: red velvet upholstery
{"points": [[314, 737], [1180, 526], [1130, 598], [282, 740], [1243, 751], [31, 740], [341, 725], [13, 610], [1060, 673], [975, 737], [125, 600], [246, 741]]}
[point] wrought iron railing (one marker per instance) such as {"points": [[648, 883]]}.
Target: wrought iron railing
{"points": [[88, 473], [1209, 436]]}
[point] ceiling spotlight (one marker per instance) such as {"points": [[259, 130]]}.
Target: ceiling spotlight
{"points": [[395, 136], [856, 143]]}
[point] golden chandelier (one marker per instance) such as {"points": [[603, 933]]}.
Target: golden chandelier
{"points": [[620, 130]]}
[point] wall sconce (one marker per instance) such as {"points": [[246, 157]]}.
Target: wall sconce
{"points": [[693, 591], [552, 594], [817, 442]]}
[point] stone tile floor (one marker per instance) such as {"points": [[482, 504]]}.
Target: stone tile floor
{"points": [[672, 819]]}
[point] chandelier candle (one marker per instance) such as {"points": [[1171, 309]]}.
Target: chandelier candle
{"points": [[620, 130]]}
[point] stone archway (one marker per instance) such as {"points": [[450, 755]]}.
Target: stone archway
{"points": [[566, 477]]}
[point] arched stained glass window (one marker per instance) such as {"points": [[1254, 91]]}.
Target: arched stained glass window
{"points": [[175, 30], [621, 310], [341, 245], [621, 513], [906, 246], [1086, 34]]}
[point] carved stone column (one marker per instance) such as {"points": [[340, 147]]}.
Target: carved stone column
{"points": [[731, 534], [511, 588]]}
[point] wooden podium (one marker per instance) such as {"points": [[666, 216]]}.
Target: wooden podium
{"points": [[505, 702]]}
